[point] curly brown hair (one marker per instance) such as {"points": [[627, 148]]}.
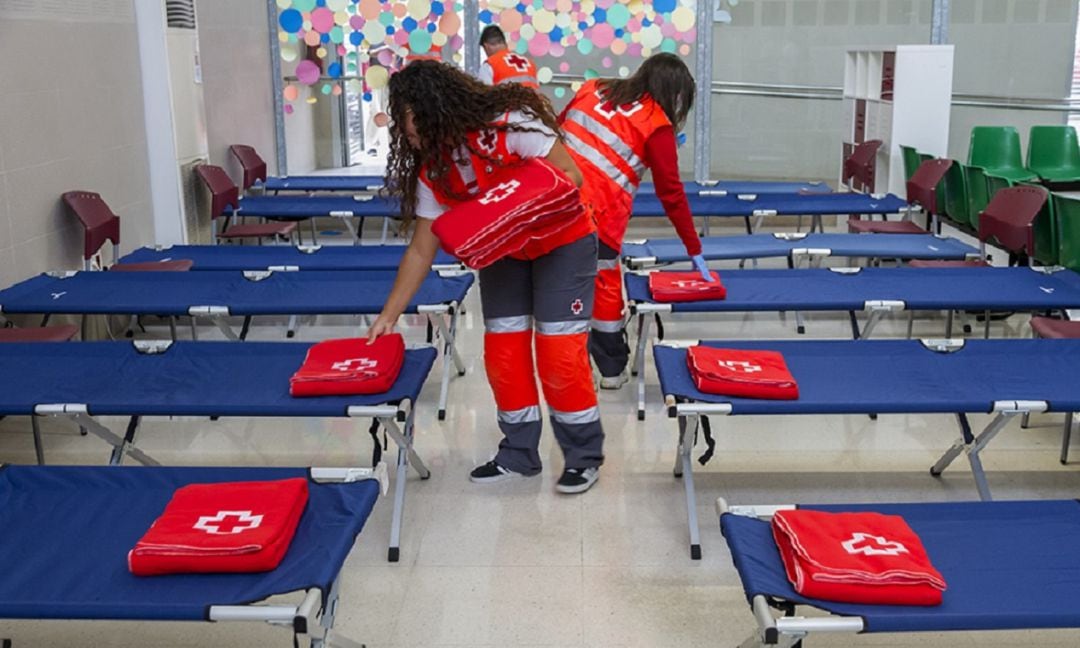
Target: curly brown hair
{"points": [[446, 105]]}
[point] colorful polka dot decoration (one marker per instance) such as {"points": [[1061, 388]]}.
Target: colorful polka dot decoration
{"points": [[395, 29]]}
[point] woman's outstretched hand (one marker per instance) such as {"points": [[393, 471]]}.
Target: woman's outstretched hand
{"points": [[383, 326]]}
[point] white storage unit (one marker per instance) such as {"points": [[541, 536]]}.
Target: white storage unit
{"points": [[899, 95]]}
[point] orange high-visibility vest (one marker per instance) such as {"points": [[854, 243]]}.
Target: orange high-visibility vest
{"points": [[511, 67], [608, 144], [489, 152]]}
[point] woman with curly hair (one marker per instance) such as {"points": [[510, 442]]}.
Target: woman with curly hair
{"points": [[616, 129], [450, 134]]}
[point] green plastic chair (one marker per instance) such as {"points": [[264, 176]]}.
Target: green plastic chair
{"points": [[1047, 245], [978, 193], [911, 161], [1067, 211], [997, 150], [956, 196], [1054, 154]]}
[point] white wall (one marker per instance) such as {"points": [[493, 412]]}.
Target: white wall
{"points": [[237, 84], [70, 119]]}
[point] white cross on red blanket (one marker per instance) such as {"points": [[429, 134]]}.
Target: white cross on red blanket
{"points": [[228, 522], [872, 545]]}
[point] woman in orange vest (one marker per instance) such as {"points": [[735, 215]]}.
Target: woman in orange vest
{"points": [[615, 131], [450, 133]]}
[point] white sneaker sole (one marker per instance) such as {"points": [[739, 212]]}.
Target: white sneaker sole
{"points": [[615, 382]]}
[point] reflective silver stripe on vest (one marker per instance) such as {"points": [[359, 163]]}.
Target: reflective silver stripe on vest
{"points": [[609, 137], [529, 414], [562, 328], [607, 326], [524, 78], [597, 159], [581, 417], [607, 264], [515, 324]]}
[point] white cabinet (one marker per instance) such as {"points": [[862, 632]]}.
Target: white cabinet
{"points": [[900, 95]]}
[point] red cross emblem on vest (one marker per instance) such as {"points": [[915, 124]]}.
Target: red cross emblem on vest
{"points": [[519, 63], [228, 522], [500, 192], [360, 364], [577, 307], [872, 545], [488, 140], [739, 366]]}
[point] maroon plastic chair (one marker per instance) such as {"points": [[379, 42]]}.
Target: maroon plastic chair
{"points": [[861, 165], [224, 195], [1057, 329], [921, 192], [60, 333], [1009, 219], [252, 163], [99, 222]]}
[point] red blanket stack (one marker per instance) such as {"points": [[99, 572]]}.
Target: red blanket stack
{"points": [[227, 527], [350, 366], [865, 558], [741, 373], [669, 287], [528, 202]]}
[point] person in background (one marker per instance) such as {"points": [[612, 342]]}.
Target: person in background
{"points": [[502, 65], [616, 130], [449, 136]]}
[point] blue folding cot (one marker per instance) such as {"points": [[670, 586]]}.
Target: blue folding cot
{"points": [[875, 291], [327, 183], [1006, 564], [798, 246], [219, 295], [282, 257], [298, 208], [727, 187], [1005, 378], [81, 382], [67, 531], [760, 205]]}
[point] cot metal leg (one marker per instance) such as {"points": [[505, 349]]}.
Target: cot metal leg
{"points": [[640, 327], [385, 231], [354, 233], [450, 354], [172, 328], [871, 322], [973, 445], [854, 325], [910, 323], [314, 233], [39, 448], [245, 328], [117, 456], [224, 327], [124, 444], [290, 332], [639, 363], [986, 331], [684, 468], [194, 330], [1066, 435], [948, 324], [405, 455]]}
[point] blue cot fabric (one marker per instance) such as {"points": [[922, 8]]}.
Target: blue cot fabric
{"points": [[1004, 564], [173, 293], [918, 288], [759, 246], [261, 257], [324, 183], [898, 376], [745, 187], [67, 531], [646, 204], [190, 379], [300, 207]]}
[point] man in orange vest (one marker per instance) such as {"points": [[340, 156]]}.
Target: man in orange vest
{"points": [[502, 65], [616, 130]]}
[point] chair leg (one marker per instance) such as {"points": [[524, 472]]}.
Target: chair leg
{"points": [[1066, 435]]}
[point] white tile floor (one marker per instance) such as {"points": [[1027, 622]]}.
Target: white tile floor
{"points": [[514, 564]]}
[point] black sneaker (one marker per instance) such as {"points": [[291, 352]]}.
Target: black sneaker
{"points": [[577, 480], [492, 472]]}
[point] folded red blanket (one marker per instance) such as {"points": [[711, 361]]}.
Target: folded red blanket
{"points": [[526, 202], [741, 373], [865, 558], [685, 286], [226, 527], [350, 366]]}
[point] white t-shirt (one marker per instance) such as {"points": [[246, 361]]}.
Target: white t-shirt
{"points": [[531, 144], [487, 73]]}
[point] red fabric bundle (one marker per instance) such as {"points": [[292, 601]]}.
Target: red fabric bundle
{"points": [[669, 287], [217, 528], [526, 202], [741, 373], [350, 366], [865, 558]]}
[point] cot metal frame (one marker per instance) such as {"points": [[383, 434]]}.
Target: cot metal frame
{"points": [[688, 415]]}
